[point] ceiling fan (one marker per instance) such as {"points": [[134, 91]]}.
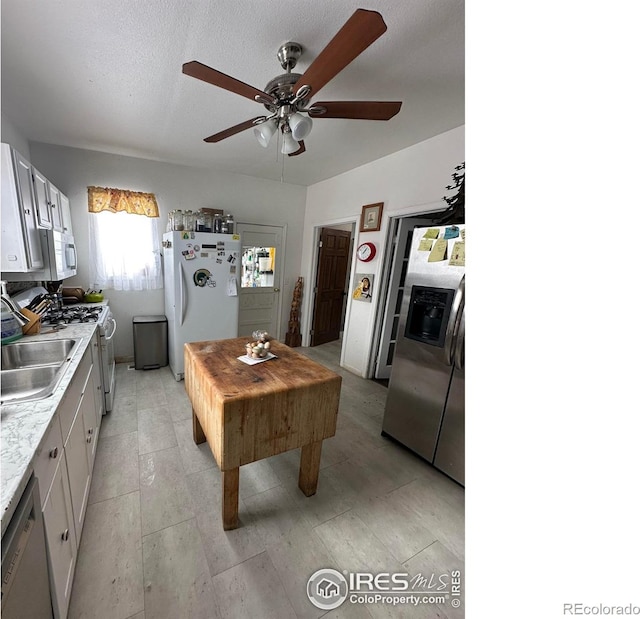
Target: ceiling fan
{"points": [[286, 97]]}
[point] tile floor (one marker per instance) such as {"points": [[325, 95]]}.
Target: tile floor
{"points": [[153, 546]]}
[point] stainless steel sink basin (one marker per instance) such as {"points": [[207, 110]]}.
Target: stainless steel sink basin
{"points": [[33, 370], [27, 354], [26, 383]]}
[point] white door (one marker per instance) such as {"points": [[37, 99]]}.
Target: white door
{"points": [[401, 245], [260, 278]]}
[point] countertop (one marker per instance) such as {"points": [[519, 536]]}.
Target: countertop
{"points": [[23, 426]]}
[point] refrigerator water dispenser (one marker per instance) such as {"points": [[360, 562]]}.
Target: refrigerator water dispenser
{"points": [[428, 315]]}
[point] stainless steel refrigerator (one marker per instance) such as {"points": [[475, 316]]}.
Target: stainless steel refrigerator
{"points": [[425, 402], [201, 275]]}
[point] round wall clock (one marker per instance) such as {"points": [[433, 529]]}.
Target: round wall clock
{"points": [[366, 252]]}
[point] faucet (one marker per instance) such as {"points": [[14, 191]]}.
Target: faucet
{"points": [[11, 306]]}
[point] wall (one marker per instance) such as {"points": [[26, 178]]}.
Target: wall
{"points": [[409, 181], [248, 199], [12, 135]]}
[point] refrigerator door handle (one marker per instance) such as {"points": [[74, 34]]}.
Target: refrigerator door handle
{"points": [[183, 294], [454, 322], [458, 356]]}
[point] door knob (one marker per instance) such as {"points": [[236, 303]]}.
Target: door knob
{"points": [[276, 290]]}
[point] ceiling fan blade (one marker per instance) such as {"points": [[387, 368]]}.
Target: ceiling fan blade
{"points": [[211, 76], [360, 31], [365, 110], [300, 150], [227, 133]]}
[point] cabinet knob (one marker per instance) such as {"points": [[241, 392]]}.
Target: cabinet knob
{"points": [[53, 453], [65, 535], [88, 439], [90, 430]]}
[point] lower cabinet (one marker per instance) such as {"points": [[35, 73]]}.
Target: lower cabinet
{"points": [[60, 536], [69, 449], [78, 468]]}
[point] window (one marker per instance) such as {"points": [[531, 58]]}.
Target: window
{"points": [[257, 267], [124, 241]]}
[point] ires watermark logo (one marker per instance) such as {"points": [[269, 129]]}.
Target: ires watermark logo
{"points": [[600, 610], [328, 589]]}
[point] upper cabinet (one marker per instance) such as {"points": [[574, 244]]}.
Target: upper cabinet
{"points": [[66, 214], [49, 205], [31, 204], [21, 245], [60, 211], [41, 190]]}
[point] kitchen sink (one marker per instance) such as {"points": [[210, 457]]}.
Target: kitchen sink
{"points": [[33, 370], [27, 354]]}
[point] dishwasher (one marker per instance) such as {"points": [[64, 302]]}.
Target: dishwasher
{"points": [[25, 577]]}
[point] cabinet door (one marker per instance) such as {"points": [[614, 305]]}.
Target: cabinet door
{"points": [[88, 411], [66, 214], [48, 456], [78, 469], [40, 191], [56, 207], [24, 182], [97, 380], [61, 540]]}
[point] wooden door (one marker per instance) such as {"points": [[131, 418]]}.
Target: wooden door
{"points": [[333, 261], [260, 302]]}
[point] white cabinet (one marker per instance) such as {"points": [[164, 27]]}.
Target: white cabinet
{"points": [[78, 468], [67, 228], [79, 407], [53, 196], [31, 204], [60, 536], [97, 379], [21, 245], [41, 193], [64, 464], [60, 209]]}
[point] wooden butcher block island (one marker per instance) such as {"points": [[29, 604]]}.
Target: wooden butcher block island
{"points": [[250, 412]]}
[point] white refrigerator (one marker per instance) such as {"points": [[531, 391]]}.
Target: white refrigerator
{"points": [[201, 281]]}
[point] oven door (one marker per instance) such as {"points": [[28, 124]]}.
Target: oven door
{"points": [[108, 365]]}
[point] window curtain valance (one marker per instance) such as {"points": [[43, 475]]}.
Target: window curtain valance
{"points": [[122, 201]]}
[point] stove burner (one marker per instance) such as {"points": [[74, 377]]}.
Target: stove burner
{"points": [[70, 315]]}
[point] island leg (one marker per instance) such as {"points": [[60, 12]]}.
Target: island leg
{"points": [[309, 467], [230, 483], [198, 432]]}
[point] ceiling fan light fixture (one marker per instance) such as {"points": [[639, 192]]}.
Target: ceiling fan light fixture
{"points": [[264, 131], [289, 144], [300, 126]]}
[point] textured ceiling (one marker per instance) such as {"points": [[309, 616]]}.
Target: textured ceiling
{"points": [[107, 76]]}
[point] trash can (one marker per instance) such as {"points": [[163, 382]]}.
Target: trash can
{"points": [[150, 348]]}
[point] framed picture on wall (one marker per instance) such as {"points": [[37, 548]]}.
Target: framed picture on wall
{"points": [[371, 217]]}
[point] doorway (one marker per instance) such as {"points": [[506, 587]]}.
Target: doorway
{"points": [[260, 278], [330, 290], [394, 272]]}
